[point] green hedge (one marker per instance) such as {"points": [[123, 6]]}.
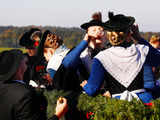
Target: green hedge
{"points": [[106, 109]]}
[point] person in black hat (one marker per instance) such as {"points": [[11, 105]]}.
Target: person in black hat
{"points": [[18, 100], [95, 37], [68, 70], [47, 47], [121, 66], [30, 40]]}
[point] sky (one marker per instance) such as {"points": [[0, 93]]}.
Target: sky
{"points": [[73, 13]]}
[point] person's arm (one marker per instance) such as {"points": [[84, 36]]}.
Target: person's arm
{"points": [[153, 57], [29, 109], [51, 72], [148, 77], [149, 80], [136, 35], [72, 59], [96, 78]]}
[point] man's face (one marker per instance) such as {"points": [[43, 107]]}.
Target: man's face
{"points": [[31, 51], [22, 68]]}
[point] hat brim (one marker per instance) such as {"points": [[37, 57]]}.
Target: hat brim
{"points": [[85, 26], [119, 26], [16, 56]]}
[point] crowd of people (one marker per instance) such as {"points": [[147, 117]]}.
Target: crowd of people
{"points": [[125, 68]]}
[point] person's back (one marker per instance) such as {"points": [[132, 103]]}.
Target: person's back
{"points": [[15, 97], [18, 100]]}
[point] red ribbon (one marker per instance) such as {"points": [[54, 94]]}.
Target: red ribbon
{"points": [[36, 43]]}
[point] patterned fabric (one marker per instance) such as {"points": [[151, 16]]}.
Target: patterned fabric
{"points": [[57, 58], [124, 64]]}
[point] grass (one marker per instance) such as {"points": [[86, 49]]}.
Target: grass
{"points": [[3, 49]]}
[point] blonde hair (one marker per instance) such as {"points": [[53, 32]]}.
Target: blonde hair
{"points": [[116, 38], [154, 38]]}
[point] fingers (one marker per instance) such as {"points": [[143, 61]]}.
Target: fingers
{"points": [[83, 83], [61, 107], [86, 37], [107, 94], [62, 100], [98, 41], [92, 44]]}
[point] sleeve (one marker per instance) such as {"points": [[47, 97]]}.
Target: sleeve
{"points": [[51, 72], [72, 59], [144, 42], [29, 109], [54, 118], [96, 78], [148, 76], [153, 57], [26, 109]]}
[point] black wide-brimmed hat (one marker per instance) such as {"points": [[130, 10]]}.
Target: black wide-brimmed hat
{"points": [[27, 40], [9, 62], [119, 23], [96, 21]]}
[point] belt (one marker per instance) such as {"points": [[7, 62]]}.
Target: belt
{"points": [[129, 95]]}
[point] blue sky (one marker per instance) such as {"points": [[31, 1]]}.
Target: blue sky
{"points": [[72, 13]]}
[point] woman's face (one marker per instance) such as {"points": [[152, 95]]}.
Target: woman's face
{"points": [[97, 36], [95, 31], [22, 68]]}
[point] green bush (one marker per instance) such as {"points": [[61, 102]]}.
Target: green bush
{"points": [[107, 109]]}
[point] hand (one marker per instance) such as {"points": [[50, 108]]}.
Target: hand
{"points": [[95, 32], [98, 42], [48, 78], [86, 37], [83, 83], [61, 107], [107, 94], [48, 52], [135, 32]]}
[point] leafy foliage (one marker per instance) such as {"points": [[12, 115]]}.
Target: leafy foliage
{"points": [[109, 109]]}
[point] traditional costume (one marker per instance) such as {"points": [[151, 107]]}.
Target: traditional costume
{"points": [[27, 40], [122, 66]]}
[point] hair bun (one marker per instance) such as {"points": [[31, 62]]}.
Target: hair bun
{"points": [[97, 16], [110, 15]]}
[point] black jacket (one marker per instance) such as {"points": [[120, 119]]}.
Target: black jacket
{"points": [[20, 102]]}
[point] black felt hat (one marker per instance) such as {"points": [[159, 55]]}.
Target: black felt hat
{"points": [[9, 62], [96, 21], [119, 23], [42, 43], [27, 40]]}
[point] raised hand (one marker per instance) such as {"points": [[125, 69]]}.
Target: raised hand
{"points": [[135, 32], [83, 83], [61, 107]]}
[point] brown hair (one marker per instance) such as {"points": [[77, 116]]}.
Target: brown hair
{"points": [[53, 41]]}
